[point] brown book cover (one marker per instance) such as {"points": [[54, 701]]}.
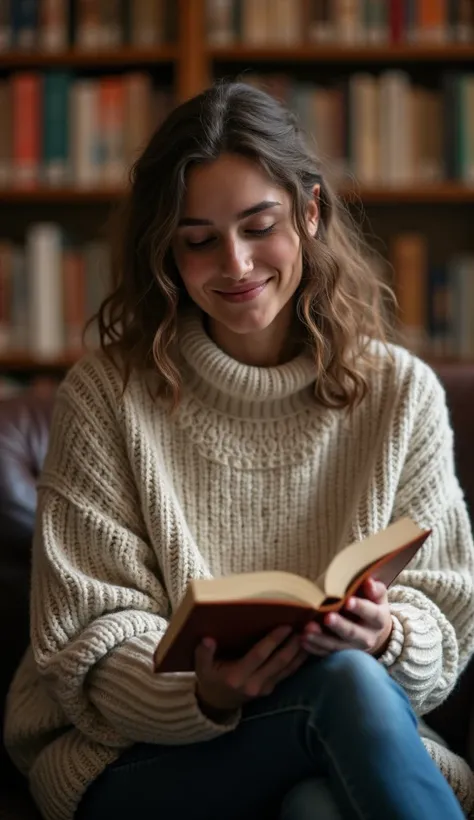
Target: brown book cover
{"points": [[409, 257], [238, 610]]}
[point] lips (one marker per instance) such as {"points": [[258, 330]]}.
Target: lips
{"points": [[243, 293], [249, 286]]}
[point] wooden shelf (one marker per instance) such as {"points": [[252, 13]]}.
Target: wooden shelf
{"points": [[347, 54], [24, 363], [443, 192], [126, 56], [61, 195], [440, 193]]}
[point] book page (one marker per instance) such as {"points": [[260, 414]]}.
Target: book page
{"points": [[354, 559], [264, 586]]}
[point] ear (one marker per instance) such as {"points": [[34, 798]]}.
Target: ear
{"points": [[312, 217]]}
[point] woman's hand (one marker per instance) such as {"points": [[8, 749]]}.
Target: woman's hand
{"points": [[370, 633], [224, 686]]}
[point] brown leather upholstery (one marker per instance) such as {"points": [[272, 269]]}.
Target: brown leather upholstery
{"points": [[24, 427]]}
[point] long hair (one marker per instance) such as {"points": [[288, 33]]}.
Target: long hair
{"points": [[340, 301]]}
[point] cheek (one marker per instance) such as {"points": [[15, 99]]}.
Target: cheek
{"points": [[194, 270], [284, 254]]}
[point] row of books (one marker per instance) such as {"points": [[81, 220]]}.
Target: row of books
{"points": [[349, 22], [385, 129], [436, 300], [49, 287], [54, 25], [57, 130]]}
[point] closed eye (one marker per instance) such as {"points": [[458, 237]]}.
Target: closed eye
{"points": [[204, 243], [260, 231]]}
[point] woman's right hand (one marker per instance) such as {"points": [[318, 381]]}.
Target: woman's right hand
{"points": [[224, 686]]}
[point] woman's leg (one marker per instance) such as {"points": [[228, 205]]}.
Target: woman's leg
{"points": [[312, 799], [341, 717]]}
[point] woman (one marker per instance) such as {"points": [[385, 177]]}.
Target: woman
{"points": [[244, 413]]}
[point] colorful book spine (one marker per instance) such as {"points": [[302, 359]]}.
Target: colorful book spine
{"points": [[56, 129]]}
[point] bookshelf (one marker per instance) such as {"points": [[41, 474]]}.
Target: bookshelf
{"points": [[441, 209]]}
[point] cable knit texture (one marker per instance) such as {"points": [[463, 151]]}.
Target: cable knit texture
{"points": [[249, 474]]}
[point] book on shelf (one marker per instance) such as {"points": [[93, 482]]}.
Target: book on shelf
{"points": [[385, 129], [49, 288], [338, 22], [237, 610], [87, 25], [61, 130], [435, 298]]}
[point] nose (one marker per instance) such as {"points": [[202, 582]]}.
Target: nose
{"points": [[236, 259]]}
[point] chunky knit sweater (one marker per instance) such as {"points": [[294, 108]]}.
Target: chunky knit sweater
{"points": [[250, 473]]}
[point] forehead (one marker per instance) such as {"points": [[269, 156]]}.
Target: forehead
{"points": [[226, 186]]}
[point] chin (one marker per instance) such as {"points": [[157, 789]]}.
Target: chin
{"points": [[245, 321]]}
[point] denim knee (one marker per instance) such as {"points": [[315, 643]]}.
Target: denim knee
{"points": [[309, 799], [352, 677]]}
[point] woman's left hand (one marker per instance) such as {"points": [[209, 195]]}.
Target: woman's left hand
{"points": [[370, 633]]}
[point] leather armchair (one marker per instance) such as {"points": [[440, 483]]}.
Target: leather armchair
{"points": [[24, 428]]}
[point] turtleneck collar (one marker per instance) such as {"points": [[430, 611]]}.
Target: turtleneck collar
{"points": [[239, 389]]}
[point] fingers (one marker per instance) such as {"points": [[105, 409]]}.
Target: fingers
{"points": [[204, 656], [258, 655], [268, 674], [370, 613], [293, 667], [374, 590], [319, 643]]}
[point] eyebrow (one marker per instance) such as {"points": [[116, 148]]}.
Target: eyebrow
{"points": [[255, 209]]}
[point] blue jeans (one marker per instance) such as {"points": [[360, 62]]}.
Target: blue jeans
{"points": [[336, 741]]}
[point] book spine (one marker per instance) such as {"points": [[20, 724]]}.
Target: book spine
{"points": [[20, 298], [138, 98], [5, 295], [84, 130], [6, 31], [348, 15], [396, 21], [394, 128], [465, 21], [56, 122], [254, 22], [44, 260], [87, 25], [25, 23], [111, 32], [98, 275], [111, 129], [432, 22], [365, 141], [466, 128], [376, 22], [53, 25], [74, 291], [26, 92], [147, 23], [6, 134], [439, 311], [409, 256], [220, 22]]}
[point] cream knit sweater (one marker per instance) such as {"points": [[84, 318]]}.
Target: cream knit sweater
{"points": [[249, 474]]}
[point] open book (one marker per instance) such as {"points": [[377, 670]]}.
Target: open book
{"points": [[238, 610]]}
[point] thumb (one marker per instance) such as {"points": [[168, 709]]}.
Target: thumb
{"points": [[204, 655]]}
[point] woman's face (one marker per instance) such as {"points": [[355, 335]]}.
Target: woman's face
{"points": [[236, 247]]}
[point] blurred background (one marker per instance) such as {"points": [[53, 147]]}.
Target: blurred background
{"points": [[384, 88]]}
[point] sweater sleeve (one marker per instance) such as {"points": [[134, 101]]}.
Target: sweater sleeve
{"points": [[98, 605], [432, 604]]}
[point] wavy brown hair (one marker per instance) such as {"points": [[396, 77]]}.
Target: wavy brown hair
{"points": [[340, 301]]}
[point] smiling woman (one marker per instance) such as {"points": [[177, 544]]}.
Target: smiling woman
{"points": [[245, 413], [218, 204], [241, 260]]}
